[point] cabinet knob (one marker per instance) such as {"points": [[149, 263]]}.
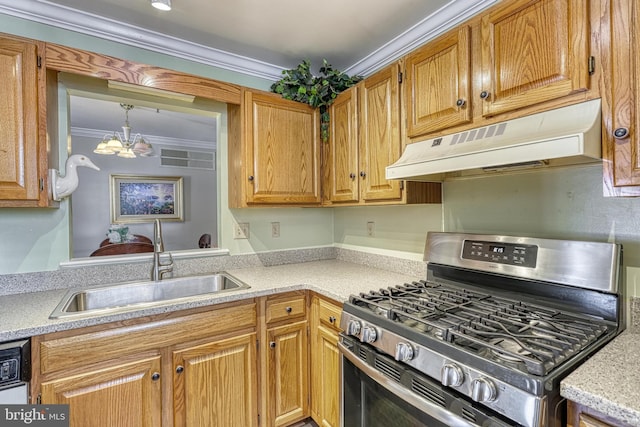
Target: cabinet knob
{"points": [[155, 376], [484, 94], [332, 319], [362, 174], [179, 369], [460, 102], [272, 344], [288, 309], [250, 177], [620, 133], [352, 175]]}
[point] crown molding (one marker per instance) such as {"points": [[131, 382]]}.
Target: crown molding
{"points": [[93, 25], [44, 12], [447, 17], [152, 139]]}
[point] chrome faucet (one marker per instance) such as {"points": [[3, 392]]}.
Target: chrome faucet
{"points": [[159, 269]]}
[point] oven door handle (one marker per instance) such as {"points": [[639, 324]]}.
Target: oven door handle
{"points": [[430, 408]]}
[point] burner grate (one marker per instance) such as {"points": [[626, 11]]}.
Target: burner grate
{"points": [[529, 337]]}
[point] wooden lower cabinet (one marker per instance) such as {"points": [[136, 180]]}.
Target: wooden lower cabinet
{"points": [[284, 359], [287, 368], [214, 384], [325, 362], [582, 416], [124, 395], [196, 368]]}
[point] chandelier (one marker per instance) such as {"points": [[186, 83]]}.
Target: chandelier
{"points": [[124, 146]]}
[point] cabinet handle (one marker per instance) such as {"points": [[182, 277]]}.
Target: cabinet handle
{"points": [[460, 102], [250, 177], [155, 376], [272, 344], [288, 309], [332, 319], [362, 174], [484, 94], [352, 175], [620, 133], [179, 369]]}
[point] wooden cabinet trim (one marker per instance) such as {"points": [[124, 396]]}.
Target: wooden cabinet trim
{"points": [[77, 61], [113, 343]]}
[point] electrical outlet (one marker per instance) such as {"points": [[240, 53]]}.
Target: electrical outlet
{"points": [[275, 229], [241, 230], [370, 228]]}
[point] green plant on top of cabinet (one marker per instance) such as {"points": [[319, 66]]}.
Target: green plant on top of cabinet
{"points": [[23, 139]]}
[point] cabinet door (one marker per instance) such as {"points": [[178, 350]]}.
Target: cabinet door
{"points": [[438, 84], [282, 150], [215, 384], [534, 51], [287, 368], [19, 145], [127, 395], [326, 377], [341, 165], [622, 141], [380, 143]]}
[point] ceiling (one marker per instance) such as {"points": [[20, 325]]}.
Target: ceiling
{"points": [[259, 37]]}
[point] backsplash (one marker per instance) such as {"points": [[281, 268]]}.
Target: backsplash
{"points": [[85, 276]]}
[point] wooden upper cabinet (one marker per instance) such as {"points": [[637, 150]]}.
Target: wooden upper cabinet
{"points": [[379, 127], [438, 83], [621, 120], [532, 52], [23, 163], [341, 151], [276, 160]]}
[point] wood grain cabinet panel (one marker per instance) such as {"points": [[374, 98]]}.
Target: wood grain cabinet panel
{"points": [[23, 162], [126, 395], [438, 83], [275, 160], [287, 367], [532, 52], [582, 416], [222, 374], [325, 362], [621, 122]]}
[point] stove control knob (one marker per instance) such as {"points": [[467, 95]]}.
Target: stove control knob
{"points": [[483, 390], [451, 375], [404, 352], [369, 334], [354, 327]]}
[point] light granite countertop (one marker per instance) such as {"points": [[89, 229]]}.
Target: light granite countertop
{"points": [[609, 382], [27, 314]]}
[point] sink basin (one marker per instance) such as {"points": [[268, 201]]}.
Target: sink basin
{"points": [[134, 295]]}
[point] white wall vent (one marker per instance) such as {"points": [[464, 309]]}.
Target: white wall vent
{"points": [[188, 159]]}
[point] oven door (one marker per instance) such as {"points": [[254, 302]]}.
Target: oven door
{"points": [[377, 391]]}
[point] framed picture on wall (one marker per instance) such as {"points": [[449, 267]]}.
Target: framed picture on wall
{"points": [[144, 198]]}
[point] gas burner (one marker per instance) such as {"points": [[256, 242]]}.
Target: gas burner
{"points": [[510, 345]]}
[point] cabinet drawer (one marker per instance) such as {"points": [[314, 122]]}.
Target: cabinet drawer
{"points": [[329, 314], [281, 309]]}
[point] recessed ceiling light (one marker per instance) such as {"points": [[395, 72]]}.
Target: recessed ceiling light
{"points": [[161, 4]]}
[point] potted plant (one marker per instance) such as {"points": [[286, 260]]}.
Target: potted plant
{"points": [[319, 91]]}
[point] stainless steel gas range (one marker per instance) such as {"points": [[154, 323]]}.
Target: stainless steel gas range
{"points": [[486, 339]]}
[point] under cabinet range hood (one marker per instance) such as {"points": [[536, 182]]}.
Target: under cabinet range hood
{"points": [[563, 136]]}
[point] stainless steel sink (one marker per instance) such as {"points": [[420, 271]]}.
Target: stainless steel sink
{"points": [[134, 295]]}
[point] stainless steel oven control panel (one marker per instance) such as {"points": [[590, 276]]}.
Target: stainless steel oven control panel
{"points": [[501, 252]]}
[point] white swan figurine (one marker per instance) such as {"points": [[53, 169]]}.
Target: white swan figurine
{"points": [[62, 186]]}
